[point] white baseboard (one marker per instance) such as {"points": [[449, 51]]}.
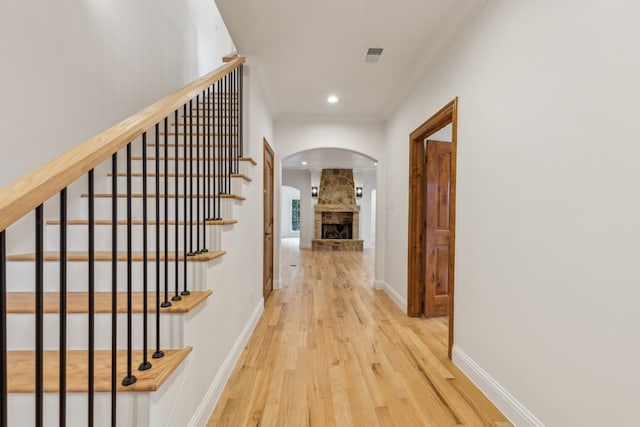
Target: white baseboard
{"points": [[212, 396], [400, 301], [379, 284], [515, 411], [277, 284], [305, 246]]}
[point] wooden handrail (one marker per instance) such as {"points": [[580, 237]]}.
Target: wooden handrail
{"points": [[27, 193]]}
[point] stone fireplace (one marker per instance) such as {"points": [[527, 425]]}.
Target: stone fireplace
{"points": [[337, 217]]}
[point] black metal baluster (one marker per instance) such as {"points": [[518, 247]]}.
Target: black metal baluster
{"points": [[236, 158], [130, 378], [189, 195], [92, 282], [203, 214], [225, 132], [219, 111], [191, 251], [229, 130], [198, 247], [176, 168], [220, 140], [232, 122], [145, 365], [62, 380], [39, 303], [240, 104], [184, 191], [207, 166], [166, 204], [4, 417], [166, 302], [214, 156], [211, 163], [213, 152], [114, 286]]}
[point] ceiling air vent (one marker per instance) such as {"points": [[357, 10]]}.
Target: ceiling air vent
{"points": [[373, 55]]}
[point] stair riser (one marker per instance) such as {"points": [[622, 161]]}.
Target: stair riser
{"points": [[201, 134], [136, 166], [103, 208], [133, 409], [21, 331], [200, 150], [77, 237], [202, 127], [21, 276], [136, 185]]}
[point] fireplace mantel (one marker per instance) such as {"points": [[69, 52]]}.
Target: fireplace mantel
{"points": [[336, 208]]}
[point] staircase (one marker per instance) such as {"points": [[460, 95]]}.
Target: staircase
{"points": [[128, 231]]}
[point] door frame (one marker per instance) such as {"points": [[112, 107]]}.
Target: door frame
{"points": [[268, 192], [417, 220]]}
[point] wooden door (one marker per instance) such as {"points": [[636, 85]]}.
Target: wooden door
{"points": [[438, 251], [268, 221]]}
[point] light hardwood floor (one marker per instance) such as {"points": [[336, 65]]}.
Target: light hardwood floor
{"points": [[331, 351]]}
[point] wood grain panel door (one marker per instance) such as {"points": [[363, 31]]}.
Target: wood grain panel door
{"points": [[268, 222], [438, 251]]}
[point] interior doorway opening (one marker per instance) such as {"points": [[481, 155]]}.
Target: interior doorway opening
{"points": [[432, 214]]}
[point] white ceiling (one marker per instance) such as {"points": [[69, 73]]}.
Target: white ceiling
{"points": [[309, 49], [329, 158]]}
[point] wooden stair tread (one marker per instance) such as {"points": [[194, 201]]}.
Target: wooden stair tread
{"points": [[195, 145], [101, 256], [202, 124], [204, 116], [198, 133], [242, 159], [77, 302], [140, 222], [163, 196], [181, 175], [20, 367]]}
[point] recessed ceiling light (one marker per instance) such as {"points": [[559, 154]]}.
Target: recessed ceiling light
{"points": [[304, 163], [332, 99], [375, 163]]}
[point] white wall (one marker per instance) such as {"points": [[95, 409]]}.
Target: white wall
{"points": [[287, 196], [74, 68], [366, 180], [548, 203], [300, 180], [356, 134]]}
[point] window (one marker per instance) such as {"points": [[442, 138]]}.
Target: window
{"points": [[295, 215]]}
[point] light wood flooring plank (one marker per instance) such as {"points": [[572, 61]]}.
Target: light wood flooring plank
{"points": [[331, 351]]}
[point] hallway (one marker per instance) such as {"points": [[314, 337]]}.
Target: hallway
{"points": [[329, 350]]}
